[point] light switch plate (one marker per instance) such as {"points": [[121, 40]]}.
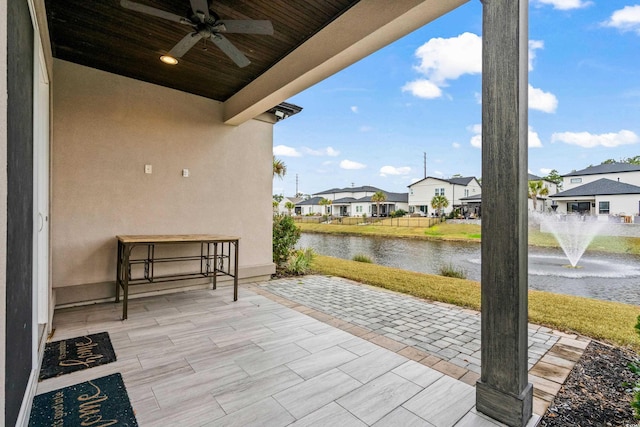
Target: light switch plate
{"points": [[185, 173], [148, 169]]}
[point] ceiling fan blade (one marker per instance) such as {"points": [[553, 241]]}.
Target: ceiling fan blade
{"points": [[200, 9], [138, 7], [230, 50], [246, 26], [185, 44]]}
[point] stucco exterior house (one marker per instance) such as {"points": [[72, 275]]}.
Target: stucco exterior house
{"points": [[623, 172], [543, 202], [282, 208], [603, 197], [606, 190], [454, 189], [356, 201]]}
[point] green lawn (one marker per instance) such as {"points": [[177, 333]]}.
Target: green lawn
{"points": [[606, 321]]}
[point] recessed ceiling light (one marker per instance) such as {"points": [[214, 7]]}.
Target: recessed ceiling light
{"points": [[168, 60]]}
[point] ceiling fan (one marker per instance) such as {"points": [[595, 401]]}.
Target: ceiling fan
{"points": [[206, 25]]}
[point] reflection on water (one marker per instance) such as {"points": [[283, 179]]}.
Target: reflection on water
{"points": [[606, 277]]}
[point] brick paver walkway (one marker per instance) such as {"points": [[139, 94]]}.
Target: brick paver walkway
{"points": [[443, 330]]}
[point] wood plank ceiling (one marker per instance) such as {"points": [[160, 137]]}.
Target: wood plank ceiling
{"points": [[103, 35]]}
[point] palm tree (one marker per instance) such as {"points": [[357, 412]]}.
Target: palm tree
{"points": [[279, 168], [439, 202], [275, 206], [289, 206], [378, 197], [325, 202], [536, 188]]}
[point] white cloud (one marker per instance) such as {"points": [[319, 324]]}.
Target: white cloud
{"points": [[565, 4], [589, 140], [332, 152], [365, 128], [545, 171], [445, 59], [351, 165], [534, 139], [285, 151], [455, 145], [533, 46], [329, 151], [423, 89], [438, 173], [542, 101], [476, 140], [625, 19], [391, 170], [354, 108]]}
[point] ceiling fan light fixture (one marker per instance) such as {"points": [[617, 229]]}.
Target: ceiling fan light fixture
{"points": [[168, 60]]}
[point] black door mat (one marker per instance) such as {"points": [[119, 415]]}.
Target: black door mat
{"points": [[66, 356], [100, 402]]}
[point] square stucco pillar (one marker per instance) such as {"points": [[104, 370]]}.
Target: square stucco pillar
{"points": [[503, 391]]}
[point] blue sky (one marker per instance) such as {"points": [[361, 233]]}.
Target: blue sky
{"points": [[371, 123]]}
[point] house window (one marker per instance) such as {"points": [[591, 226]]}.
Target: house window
{"points": [[466, 192], [603, 208], [576, 180], [439, 191]]}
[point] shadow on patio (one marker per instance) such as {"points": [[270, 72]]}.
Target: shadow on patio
{"points": [[320, 356]]}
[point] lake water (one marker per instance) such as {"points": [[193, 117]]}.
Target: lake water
{"points": [[609, 277]]}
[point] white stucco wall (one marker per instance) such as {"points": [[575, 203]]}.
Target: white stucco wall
{"points": [[106, 129], [421, 193], [626, 177]]}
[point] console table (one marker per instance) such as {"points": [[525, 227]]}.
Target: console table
{"points": [[218, 256]]}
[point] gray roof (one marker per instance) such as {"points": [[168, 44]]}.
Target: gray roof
{"points": [[533, 177], [606, 168], [456, 181], [311, 201], [391, 198], [472, 197], [344, 200], [350, 190], [600, 187]]}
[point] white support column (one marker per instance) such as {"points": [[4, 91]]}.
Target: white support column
{"points": [[503, 391]]}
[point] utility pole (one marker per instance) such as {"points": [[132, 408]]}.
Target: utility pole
{"points": [[425, 164], [296, 195]]}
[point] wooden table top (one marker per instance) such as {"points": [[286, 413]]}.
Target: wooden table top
{"points": [[175, 238]]}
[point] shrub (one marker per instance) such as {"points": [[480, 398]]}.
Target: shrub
{"points": [[398, 214], [362, 258], [450, 270], [299, 261], [285, 236]]}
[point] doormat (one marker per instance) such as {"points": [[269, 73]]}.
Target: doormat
{"points": [[100, 402], [66, 356]]}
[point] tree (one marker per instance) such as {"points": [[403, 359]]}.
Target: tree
{"points": [[378, 197], [439, 202], [278, 197], [633, 160], [536, 188], [290, 206], [325, 202], [554, 177], [285, 236], [275, 206], [279, 168]]}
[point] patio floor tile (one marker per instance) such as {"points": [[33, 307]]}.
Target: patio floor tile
{"points": [[304, 398], [372, 365], [266, 412], [404, 418], [378, 397], [435, 403], [329, 415]]}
